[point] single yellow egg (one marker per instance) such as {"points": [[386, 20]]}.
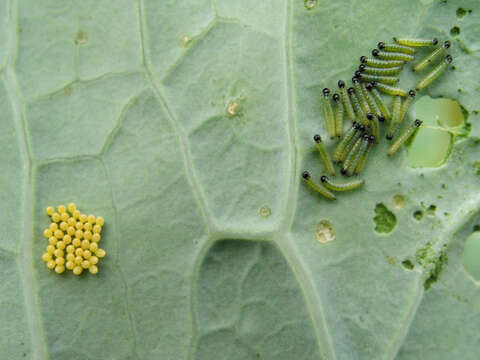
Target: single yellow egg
{"points": [[79, 234], [78, 260], [91, 219], [93, 269], [72, 207], [53, 226], [93, 247], [83, 218], [97, 229], [56, 217], [58, 234], [50, 249], [93, 260], [70, 249], [79, 252], [85, 244], [51, 264], [70, 265], [63, 226], [50, 210], [76, 242], [60, 245], [60, 261], [87, 235], [71, 221], [100, 221], [64, 216], [87, 254], [53, 240], [86, 264], [77, 270], [48, 233], [46, 257], [79, 225], [59, 269], [58, 253], [87, 226], [70, 257], [76, 214], [67, 239], [62, 209], [96, 237], [71, 230], [100, 253]]}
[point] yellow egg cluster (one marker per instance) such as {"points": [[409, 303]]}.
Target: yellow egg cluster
{"points": [[76, 234]]}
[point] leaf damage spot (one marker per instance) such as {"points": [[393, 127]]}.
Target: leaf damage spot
{"points": [[233, 108], [408, 264], [186, 40], [68, 90], [461, 12], [431, 210], [325, 232], [433, 262], [454, 31], [398, 201], [80, 38], [385, 220], [418, 215], [265, 211], [310, 4]]}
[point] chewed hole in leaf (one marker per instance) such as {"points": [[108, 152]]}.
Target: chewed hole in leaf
{"points": [[442, 120], [471, 255], [454, 31], [385, 220], [418, 215], [408, 264]]}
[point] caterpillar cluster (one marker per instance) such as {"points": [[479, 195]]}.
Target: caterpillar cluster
{"points": [[364, 106]]}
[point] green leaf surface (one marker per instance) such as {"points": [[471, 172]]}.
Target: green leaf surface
{"points": [[186, 124]]}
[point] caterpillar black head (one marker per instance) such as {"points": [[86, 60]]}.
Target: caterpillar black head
{"points": [[326, 91], [317, 138], [411, 93], [375, 52], [358, 73], [363, 59], [343, 171], [323, 179], [306, 175], [449, 58], [418, 122], [369, 86], [355, 79], [356, 125], [389, 137], [336, 97], [381, 45], [362, 128], [372, 139], [434, 41], [447, 44], [366, 137], [351, 90], [369, 116], [361, 67], [381, 118], [341, 84]]}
